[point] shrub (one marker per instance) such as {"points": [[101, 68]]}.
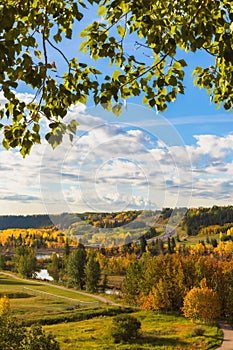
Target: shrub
{"points": [[125, 328], [197, 332]]}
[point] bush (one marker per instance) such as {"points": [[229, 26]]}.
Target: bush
{"points": [[197, 332], [125, 328], [77, 315]]}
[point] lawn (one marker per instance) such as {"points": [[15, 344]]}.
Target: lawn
{"points": [[9, 285], [159, 331], [41, 302]]}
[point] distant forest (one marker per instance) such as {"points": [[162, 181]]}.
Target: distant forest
{"points": [[194, 220], [64, 220], [198, 218], [21, 221]]}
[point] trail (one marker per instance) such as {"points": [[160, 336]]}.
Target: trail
{"points": [[227, 343], [94, 296]]}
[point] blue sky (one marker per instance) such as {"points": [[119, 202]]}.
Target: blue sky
{"points": [[140, 160]]}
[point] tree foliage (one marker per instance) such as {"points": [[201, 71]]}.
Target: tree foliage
{"points": [[92, 273], [4, 306], [197, 220], [32, 34], [202, 304], [25, 261], [14, 336], [162, 282], [54, 267], [76, 266]]}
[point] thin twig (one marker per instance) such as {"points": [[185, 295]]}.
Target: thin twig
{"points": [[56, 48], [146, 70]]}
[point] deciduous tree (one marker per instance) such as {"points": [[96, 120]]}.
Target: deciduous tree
{"points": [[25, 261], [54, 267], [202, 303]]}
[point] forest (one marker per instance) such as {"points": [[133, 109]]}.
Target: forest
{"points": [[193, 220]]}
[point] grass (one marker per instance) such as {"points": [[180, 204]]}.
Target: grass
{"points": [[193, 240], [89, 328], [32, 299], [62, 293], [159, 331], [11, 285]]}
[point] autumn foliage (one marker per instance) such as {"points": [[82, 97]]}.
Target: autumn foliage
{"points": [[202, 303], [200, 286]]}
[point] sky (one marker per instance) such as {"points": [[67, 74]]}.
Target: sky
{"points": [[140, 160]]}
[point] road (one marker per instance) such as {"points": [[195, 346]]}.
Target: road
{"points": [[94, 296], [227, 343]]}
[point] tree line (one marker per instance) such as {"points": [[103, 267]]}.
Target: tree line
{"points": [[197, 218], [79, 268], [167, 283]]}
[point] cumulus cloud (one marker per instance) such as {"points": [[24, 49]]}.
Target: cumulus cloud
{"points": [[116, 166]]}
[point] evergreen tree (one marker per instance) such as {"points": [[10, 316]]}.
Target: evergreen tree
{"points": [[2, 262], [169, 249], [105, 282], [76, 266], [173, 244], [92, 273], [67, 248], [143, 244]]}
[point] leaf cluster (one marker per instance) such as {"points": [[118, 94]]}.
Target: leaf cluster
{"points": [[32, 33]]}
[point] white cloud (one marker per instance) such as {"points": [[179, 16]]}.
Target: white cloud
{"points": [[113, 166]]}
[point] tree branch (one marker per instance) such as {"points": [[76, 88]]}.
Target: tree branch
{"points": [[57, 49]]}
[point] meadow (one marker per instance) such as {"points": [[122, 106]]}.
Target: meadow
{"points": [[79, 323], [159, 331]]}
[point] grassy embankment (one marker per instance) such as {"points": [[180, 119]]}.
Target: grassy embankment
{"points": [[92, 327]]}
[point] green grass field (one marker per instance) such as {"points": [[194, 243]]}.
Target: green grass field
{"points": [[159, 331], [41, 302], [10, 285], [91, 329]]}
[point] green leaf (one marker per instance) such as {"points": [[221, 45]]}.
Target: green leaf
{"points": [[6, 144], [177, 65], [73, 126], [144, 100], [117, 109], [36, 128], [116, 74], [172, 80], [101, 11], [121, 31]]}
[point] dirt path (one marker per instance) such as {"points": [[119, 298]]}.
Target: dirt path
{"points": [[94, 296], [227, 343]]}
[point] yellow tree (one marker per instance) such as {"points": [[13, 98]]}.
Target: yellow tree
{"points": [[202, 303], [4, 306]]}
